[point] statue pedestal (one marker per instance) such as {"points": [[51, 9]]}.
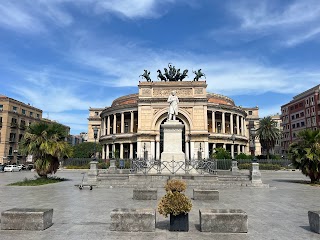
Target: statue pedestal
{"points": [[172, 156]]}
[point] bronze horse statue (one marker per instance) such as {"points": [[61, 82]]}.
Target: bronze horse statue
{"points": [[160, 76], [198, 74], [146, 75]]}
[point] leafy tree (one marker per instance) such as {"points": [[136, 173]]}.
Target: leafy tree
{"points": [[268, 133], [244, 156], [221, 153], [46, 143], [305, 153], [86, 149]]}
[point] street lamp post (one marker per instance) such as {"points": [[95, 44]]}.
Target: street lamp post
{"points": [[95, 135], [233, 138], [253, 144], [113, 146]]}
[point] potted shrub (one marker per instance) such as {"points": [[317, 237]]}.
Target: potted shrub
{"points": [[176, 204]]}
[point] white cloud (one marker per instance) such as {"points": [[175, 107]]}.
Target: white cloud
{"points": [[131, 8], [14, 16], [226, 75], [37, 16], [292, 24]]}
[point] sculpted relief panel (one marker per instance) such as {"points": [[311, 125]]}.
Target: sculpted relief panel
{"points": [[146, 91], [198, 91], [183, 92]]}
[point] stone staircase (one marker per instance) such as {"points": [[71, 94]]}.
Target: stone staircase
{"points": [[158, 181]]}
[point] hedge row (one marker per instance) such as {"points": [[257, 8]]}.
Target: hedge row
{"points": [[262, 166]]}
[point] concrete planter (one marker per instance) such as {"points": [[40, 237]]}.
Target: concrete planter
{"points": [[145, 194], [133, 220], [179, 223], [314, 221], [223, 220], [26, 219]]}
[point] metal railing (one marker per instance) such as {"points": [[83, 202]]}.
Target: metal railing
{"points": [[172, 167]]}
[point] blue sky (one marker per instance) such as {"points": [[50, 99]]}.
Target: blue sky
{"points": [[65, 56]]}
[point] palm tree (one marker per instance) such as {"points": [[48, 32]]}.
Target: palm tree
{"points": [[46, 143], [305, 153], [268, 133]]}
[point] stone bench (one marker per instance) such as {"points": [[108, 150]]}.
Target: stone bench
{"points": [[314, 221], [223, 220], [133, 220], [199, 194], [145, 194], [26, 219]]}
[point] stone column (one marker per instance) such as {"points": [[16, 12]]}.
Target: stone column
{"points": [[107, 151], [238, 149], [255, 174], [187, 150], [242, 127], [121, 150], [158, 150], [102, 130], [131, 121], [192, 156], [232, 151], [93, 172], [206, 150], [131, 151], [103, 151], [122, 122], [113, 150], [223, 127], [238, 125], [114, 123], [224, 146], [108, 125], [234, 167], [139, 149], [152, 151], [231, 123], [213, 121]]}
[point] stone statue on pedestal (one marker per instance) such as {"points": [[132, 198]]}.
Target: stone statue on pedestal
{"points": [[173, 107]]}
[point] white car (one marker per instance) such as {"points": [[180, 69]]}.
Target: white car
{"points": [[11, 168], [21, 167]]}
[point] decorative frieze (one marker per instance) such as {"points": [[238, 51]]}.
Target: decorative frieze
{"points": [[183, 92]]}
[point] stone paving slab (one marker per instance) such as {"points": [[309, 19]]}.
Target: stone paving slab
{"points": [[278, 212]]}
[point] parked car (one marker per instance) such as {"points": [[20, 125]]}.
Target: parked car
{"points": [[30, 166], [11, 168], [22, 167], [2, 167]]}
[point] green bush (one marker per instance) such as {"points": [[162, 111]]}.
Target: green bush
{"points": [[262, 166], [87, 166], [244, 156]]}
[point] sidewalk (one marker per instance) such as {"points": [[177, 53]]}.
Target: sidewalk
{"points": [[278, 212]]}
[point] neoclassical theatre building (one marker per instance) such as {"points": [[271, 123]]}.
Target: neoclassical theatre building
{"points": [[131, 126]]}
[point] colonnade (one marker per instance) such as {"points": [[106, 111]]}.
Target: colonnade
{"points": [[237, 128], [137, 149]]}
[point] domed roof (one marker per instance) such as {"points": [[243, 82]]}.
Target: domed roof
{"points": [[131, 99], [219, 99]]}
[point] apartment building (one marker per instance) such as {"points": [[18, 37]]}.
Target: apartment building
{"points": [[303, 112], [15, 116]]}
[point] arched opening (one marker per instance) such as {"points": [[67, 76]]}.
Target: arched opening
{"points": [[183, 135]]}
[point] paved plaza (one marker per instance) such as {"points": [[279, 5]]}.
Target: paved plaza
{"points": [[279, 212]]}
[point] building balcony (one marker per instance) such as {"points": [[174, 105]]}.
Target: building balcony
{"points": [[22, 127], [14, 125], [12, 140]]}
